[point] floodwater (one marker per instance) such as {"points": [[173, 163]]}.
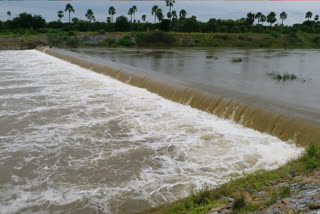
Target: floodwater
{"points": [[74, 141], [246, 81]]}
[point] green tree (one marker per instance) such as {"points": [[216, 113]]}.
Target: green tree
{"points": [[283, 16], [24, 20], [159, 14], [258, 16], [250, 18], [183, 13], [38, 22], [316, 17], [75, 20], [108, 19], [130, 13], [154, 12], [134, 9], [263, 18], [308, 15], [170, 3], [9, 14], [122, 24], [169, 15], [112, 12], [60, 15], [90, 15], [144, 17], [212, 25], [70, 9], [174, 15], [271, 18]]}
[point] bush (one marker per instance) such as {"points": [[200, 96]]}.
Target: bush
{"points": [[154, 38], [126, 41], [55, 40], [285, 192], [312, 157], [239, 203], [72, 42], [108, 42]]}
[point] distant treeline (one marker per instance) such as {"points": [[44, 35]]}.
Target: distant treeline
{"points": [[174, 21]]}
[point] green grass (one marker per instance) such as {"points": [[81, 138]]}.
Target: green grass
{"points": [[205, 200], [173, 39]]}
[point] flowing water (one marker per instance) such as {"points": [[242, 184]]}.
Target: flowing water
{"points": [[74, 141]]}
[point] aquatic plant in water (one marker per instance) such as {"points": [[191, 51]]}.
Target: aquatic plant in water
{"points": [[283, 77]]}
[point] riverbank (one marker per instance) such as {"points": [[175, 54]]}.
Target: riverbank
{"points": [[293, 188], [161, 39]]}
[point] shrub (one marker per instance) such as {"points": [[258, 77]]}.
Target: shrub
{"points": [[55, 40], [72, 42], [154, 38], [285, 192], [108, 42], [126, 41], [239, 203], [312, 157]]}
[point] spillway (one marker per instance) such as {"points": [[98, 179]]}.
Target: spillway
{"points": [[76, 141]]}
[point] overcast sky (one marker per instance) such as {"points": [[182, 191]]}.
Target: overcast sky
{"points": [[204, 10]]}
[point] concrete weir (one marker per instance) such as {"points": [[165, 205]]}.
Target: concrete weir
{"points": [[276, 123]]}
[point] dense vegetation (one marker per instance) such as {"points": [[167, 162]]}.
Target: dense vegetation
{"points": [[173, 21]]}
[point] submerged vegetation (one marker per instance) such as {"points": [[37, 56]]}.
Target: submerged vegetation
{"points": [[240, 189], [283, 77]]}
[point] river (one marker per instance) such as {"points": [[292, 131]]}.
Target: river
{"points": [[74, 141]]}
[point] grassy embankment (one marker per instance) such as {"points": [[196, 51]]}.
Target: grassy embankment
{"points": [[163, 39], [262, 180]]}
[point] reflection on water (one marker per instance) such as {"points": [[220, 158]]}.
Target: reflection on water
{"points": [[73, 141], [214, 67]]}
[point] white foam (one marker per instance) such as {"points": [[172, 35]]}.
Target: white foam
{"points": [[87, 140]]}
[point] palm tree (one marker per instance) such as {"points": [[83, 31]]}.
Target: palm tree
{"points": [[154, 12], [174, 14], [130, 12], [169, 4], [70, 9], [263, 18], [159, 14], [283, 16], [134, 9], [144, 17], [169, 15], [258, 16], [9, 14], [112, 11], [271, 18], [60, 15], [250, 18], [308, 15], [90, 15], [183, 13], [316, 17]]}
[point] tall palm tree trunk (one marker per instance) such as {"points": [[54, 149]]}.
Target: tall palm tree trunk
{"points": [[69, 16]]}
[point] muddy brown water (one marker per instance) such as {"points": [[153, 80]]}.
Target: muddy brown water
{"points": [[213, 70], [75, 141]]}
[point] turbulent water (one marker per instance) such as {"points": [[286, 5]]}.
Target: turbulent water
{"points": [[74, 141]]}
